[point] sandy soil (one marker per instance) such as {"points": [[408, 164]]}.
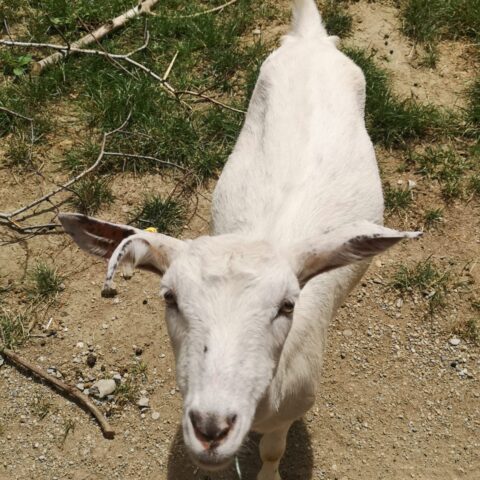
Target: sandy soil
{"points": [[397, 400]]}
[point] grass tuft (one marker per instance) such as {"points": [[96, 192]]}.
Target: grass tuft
{"points": [[473, 111], [391, 121], [397, 199], [168, 216], [337, 20], [128, 390], [432, 20], [433, 218], [468, 329], [424, 278], [12, 329], [46, 283], [446, 166], [91, 194]]}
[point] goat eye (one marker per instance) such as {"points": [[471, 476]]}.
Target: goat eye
{"points": [[287, 307], [170, 298]]}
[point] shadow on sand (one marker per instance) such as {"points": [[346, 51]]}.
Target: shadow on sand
{"points": [[297, 463]]}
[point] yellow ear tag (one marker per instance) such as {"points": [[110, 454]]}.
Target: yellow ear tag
{"points": [[151, 230]]}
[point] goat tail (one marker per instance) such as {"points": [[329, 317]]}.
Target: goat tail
{"points": [[307, 21]]}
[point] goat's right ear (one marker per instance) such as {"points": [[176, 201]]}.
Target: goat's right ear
{"points": [[122, 245]]}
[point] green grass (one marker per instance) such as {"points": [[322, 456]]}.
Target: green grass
{"points": [[212, 57], [45, 281], [12, 329], [424, 278], [41, 407], [474, 185], [432, 218], [473, 110], [450, 168], [432, 20], [397, 199], [168, 215], [391, 121], [337, 20], [91, 194], [128, 390], [468, 329], [18, 151]]}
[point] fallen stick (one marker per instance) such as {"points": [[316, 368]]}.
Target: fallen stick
{"points": [[143, 7], [82, 399], [9, 216]]}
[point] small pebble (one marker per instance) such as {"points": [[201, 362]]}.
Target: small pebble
{"points": [[144, 402], [454, 341], [80, 345], [347, 333], [155, 416], [91, 360]]}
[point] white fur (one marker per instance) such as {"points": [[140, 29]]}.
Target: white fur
{"points": [[297, 208]]}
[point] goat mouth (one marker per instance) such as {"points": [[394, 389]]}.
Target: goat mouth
{"points": [[211, 462]]}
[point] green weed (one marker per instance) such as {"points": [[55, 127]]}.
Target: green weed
{"points": [[468, 329], [473, 111], [90, 194], [128, 390], [432, 20], [397, 199], [46, 282], [446, 166], [18, 152], [432, 218], [424, 278], [337, 20], [474, 185], [168, 216], [12, 329], [41, 407], [391, 121]]}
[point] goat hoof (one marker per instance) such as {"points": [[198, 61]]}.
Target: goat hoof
{"points": [[109, 292]]}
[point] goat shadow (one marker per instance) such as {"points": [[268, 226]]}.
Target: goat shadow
{"points": [[297, 463]]}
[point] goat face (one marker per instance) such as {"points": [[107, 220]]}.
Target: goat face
{"points": [[229, 310]]}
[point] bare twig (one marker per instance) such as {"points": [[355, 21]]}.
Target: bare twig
{"points": [[127, 58], [16, 114], [145, 157], [8, 218], [208, 99], [144, 6], [82, 399], [211, 10]]}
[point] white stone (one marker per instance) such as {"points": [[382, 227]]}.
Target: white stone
{"points": [[144, 402], [454, 341], [102, 388]]}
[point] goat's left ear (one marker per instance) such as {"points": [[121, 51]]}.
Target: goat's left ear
{"points": [[345, 245]]}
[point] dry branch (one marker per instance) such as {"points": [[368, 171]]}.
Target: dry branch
{"points": [[211, 10], [127, 58], [143, 7], [82, 399], [8, 218]]}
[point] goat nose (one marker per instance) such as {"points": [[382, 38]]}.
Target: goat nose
{"points": [[211, 429]]}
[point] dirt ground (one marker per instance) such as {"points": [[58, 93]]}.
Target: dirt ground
{"points": [[397, 400]]}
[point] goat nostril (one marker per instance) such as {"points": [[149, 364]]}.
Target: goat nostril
{"points": [[210, 429], [231, 420]]}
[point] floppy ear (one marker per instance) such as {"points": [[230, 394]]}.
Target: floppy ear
{"points": [[345, 245], [122, 245]]}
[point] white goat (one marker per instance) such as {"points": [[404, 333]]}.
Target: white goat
{"points": [[296, 211]]}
